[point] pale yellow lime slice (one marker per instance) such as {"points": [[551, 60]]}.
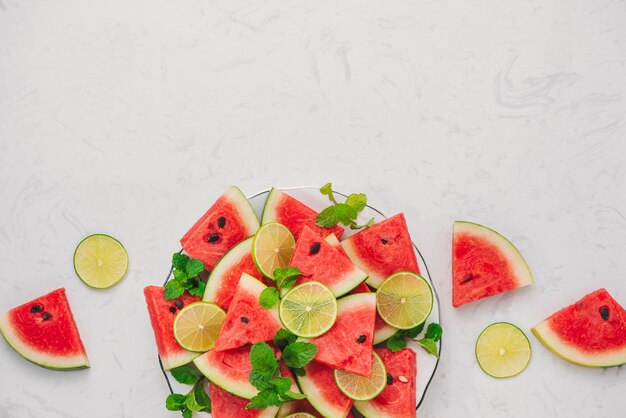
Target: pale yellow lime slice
{"points": [[502, 350], [308, 310], [197, 325], [272, 247], [361, 388], [404, 300], [100, 261]]}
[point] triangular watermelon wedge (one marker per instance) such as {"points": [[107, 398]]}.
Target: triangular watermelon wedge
{"points": [[226, 405], [162, 313], [228, 221], [382, 330], [295, 215], [322, 391], [590, 332], [348, 344], [247, 322], [320, 262], [484, 263], [382, 249], [43, 331]]}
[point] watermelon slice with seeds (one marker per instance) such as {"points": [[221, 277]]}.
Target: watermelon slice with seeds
{"points": [[162, 313], [230, 220], [382, 330], [382, 249], [320, 262], [591, 332], [247, 322], [484, 263], [348, 344], [44, 332], [295, 215], [398, 399], [226, 405], [322, 391]]}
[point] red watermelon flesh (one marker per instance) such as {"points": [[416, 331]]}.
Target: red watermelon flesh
{"points": [[295, 215], [590, 332], [301, 405], [44, 332], [348, 344], [319, 261], [382, 330], [162, 313], [226, 405], [382, 249], [228, 221], [247, 322], [322, 391], [484, 263], [398, 399]]}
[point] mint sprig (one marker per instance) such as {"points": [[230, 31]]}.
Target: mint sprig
{"points": [[345, 213], [196, 400], [185, 274], [429, 343], [284, 277]]}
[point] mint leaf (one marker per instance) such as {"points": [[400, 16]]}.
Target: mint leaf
{"points": [[287, 282], [185, 375], [327, 190], [259, 380], [283, 338], [292, 396], [175, 402], [345, 213], [179, 261], [202, 398], [327, 218], [198, 290], [299, 354], [191, 404], [298, 371], [429, 345], [180, 275], [357, 201], [263, 360], [268, 297], [173, 289], [264, 399], [414, 332], [281, 384], [286, 277], [434, 332], [187, 413], [396, 342], [193, 268]]}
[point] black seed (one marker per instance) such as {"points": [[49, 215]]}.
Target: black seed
{"points": [[213, 238], [315, 248], [244, 320], [172, 309], [604, 312], [384, 241], [46, 316], [361, 339], [179, 304], [467, 278], [36, 308], [221, 222], [389, 379]]}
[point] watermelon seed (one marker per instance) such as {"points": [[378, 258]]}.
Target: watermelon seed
{"points": [[361, 339], [244, 320], [467, 278], [384, 241], [221, 222], [213, 238], [172, 309], [604, 312], [179, 304], [389, 379], [315, 248], [46, 316], [36, 308]]}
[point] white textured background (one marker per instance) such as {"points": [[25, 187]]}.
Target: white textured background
{"points": [[130, 117]]}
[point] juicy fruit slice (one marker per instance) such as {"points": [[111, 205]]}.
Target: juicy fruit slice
{"points": [[334, 242], [308, 310], [502, 350], [295, 215], [227, 405], [398, 399], [247, 322], [100, 261], [229, 370], [43, 331], [224, 278], [319, 261], [322, 392], [404, 300], [591, 332], [348, 344], [162, 314], [484, 263], [363, 388], [382, 249], [197, 325], [272, 247], [382, 330], [228, 221]]}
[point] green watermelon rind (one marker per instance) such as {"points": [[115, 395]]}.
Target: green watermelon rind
{"points": [[245, 209], [553, 342], [317, 400], [233, 256], [269, 210], [172, 361], [243, 389], [77, 362], [384, 333]]}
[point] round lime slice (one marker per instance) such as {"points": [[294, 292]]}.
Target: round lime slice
{"points": [[361, 388], [197, 325], [308, 310], [272, 247], [502, 350], [100, 261], [404, 300]]}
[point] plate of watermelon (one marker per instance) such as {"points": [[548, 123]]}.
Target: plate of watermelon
{"points": [[351, 263]]}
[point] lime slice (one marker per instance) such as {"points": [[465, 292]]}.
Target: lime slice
{"points": [[300, 415], [100, 261], [308, 310], [272, 247], [361, 388], [196, 326], [502, 350], [404, 300]]}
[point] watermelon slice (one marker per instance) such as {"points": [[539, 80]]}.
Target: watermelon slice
{"points": [[398, 399], [295, 215], [302, 405], [484, 263], [247, 322], [224, 278], [319, 261], [348, 344], [334, 242], [382, 249], [322, 391], [382, 330], [43, 331], [228, 221], [162, 313], [591, 332], [227, 405]]}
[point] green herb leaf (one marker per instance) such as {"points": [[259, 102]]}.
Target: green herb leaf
{"points": [[259, 380], [292, 396], [263, 360], [396, 342], [281, 384], [298, 371], [345, 213], [283, 338], [179, 261], [194, 267], [299, 354], [185, 375], [199, 288], [180, 275], [286, 277], [287, 282], [175, 402], [327, 218], [202, 398], [264, 399], [327, 190], [434, 332], [429, 345], [191, 404], [173, 289], [413, 332], [187, 413], [268, 297], [357, 201]]}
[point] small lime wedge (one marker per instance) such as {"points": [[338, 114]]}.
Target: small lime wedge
{"points": [[197, 325], [404, 300], [272, 247], [362, 388], [502, 350], [100, 261], [308, 310]]}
